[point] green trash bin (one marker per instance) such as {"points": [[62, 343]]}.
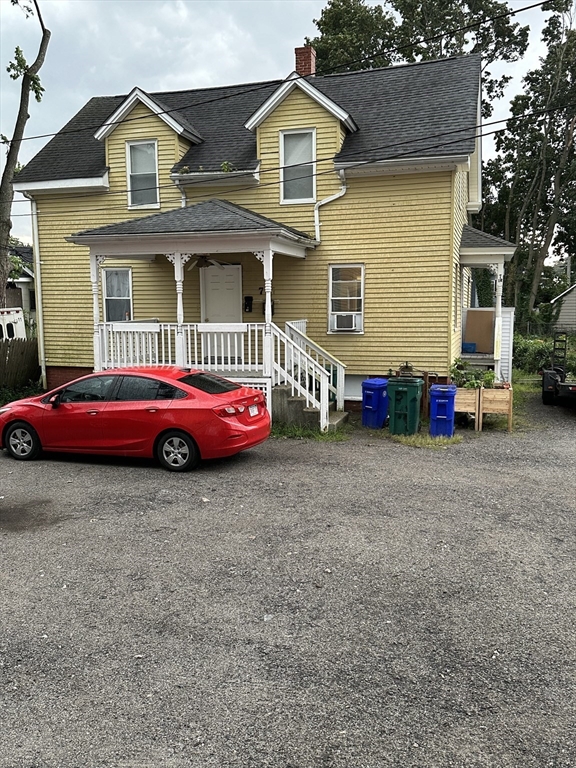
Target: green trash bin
{"points": [[404, 395]]}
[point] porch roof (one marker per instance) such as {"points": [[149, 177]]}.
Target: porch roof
{"points": [[213, 226], [479, 249], [210, 216]]}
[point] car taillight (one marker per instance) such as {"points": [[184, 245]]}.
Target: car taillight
{"points": [[225, 411], [228, 410]]}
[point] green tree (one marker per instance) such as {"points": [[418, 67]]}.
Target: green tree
{"points": [[531, 185], [19, 68], [353, 36], [483, 281], [356, 36], [16, 263]]}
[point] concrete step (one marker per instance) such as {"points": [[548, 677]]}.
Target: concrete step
{"points": [[291, 409], [337, 419]]}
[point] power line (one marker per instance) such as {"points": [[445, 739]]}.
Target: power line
{"points": [[459, 132], [268, 84], [65, 214], [440, 36]]}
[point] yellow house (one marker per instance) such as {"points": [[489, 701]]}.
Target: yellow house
{"points": [[309, 232]]}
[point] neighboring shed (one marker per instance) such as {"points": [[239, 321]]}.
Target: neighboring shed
{"points": [[567, 316]]}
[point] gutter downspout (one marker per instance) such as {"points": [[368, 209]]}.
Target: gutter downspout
{"points": [[338, 194], [183, 199], [38, 289], [498, 322]]}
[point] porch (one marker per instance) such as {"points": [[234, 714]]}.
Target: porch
{"points": [[260, 355], [492, 328], [208, 237]]}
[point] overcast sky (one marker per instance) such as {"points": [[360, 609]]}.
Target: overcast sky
{"points": [[106, 47]]}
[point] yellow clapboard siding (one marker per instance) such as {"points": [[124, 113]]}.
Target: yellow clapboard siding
{"points": [[398, 226]]}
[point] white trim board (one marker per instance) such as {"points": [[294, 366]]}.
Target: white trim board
{"points": [[135, 97], [293, 81]]}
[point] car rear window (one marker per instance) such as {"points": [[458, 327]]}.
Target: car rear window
{"points": [[207, 382], [140, 388]]}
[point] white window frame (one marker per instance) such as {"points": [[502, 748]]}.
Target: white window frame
{"points": [[312, 199], [130, 144], [105, 297], [358, 316]]}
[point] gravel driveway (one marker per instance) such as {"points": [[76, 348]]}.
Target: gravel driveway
{"points": [[304, 605]]}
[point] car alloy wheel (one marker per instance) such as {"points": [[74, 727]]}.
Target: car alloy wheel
{"points": [[22, 441], [177, 452]]}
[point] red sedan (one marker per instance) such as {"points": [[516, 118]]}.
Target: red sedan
{"points": [[177, 415]]}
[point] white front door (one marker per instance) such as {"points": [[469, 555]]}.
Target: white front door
{"points": [[221, 294]]}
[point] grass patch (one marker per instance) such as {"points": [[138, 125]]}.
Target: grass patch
{"points": [[295, 432], [422, 440], [526, 393]]}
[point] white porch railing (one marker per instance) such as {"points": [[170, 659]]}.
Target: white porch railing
{"points": [[125, 345], [294, 367], [230, 348], [296, 330], [236, 350]]}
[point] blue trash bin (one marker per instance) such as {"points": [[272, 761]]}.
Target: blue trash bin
{"points": [[442, 402], [374, 403]]}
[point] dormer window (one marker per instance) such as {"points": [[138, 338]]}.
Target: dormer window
{"points": [[142, 170], [297, 158]]}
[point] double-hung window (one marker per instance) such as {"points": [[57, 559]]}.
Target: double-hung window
{"points": [[298, 161], [142, 165], [117, 292], [346, 299]]}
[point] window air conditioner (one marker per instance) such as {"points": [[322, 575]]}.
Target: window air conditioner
{"points": [[345, 322]]}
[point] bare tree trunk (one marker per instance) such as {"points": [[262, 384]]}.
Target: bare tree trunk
{"points": [[554, 215], [6, 188]]}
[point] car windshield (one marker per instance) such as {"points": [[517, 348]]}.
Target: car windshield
{"points": [[207, 382]]}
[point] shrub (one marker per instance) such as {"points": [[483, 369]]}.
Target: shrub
{"points": [[531, 354], [8, 394]]}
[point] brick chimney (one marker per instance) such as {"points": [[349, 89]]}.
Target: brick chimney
{"points": [[305, 61]]}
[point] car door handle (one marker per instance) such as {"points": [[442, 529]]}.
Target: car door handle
{"points": [[92, 413], [151, 410]]}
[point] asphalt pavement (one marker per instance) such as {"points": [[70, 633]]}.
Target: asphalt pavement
{"points": [[357, 604]]}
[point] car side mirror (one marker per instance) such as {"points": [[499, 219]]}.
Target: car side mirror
{"points": [[55, 400]]}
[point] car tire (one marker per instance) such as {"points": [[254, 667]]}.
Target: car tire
{"points": [[548, 398], [22, 441], [177, 451]]}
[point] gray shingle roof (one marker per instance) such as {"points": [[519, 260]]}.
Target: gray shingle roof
{"points": [[475, 238], [207, 217], [23, 252], [178, 116], [399, 111]]}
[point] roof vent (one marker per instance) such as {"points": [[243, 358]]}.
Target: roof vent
{"points": [[305, 61]]}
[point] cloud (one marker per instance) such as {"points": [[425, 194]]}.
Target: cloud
{"points": [[106, 47]]}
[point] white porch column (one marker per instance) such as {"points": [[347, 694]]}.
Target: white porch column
{"points": [[267, 257], [498, 320], [95, 262], [179, 260]]}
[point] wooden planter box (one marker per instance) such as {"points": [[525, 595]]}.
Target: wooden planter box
{"points": [[481, 401], [468, 401], [496, 401]]}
